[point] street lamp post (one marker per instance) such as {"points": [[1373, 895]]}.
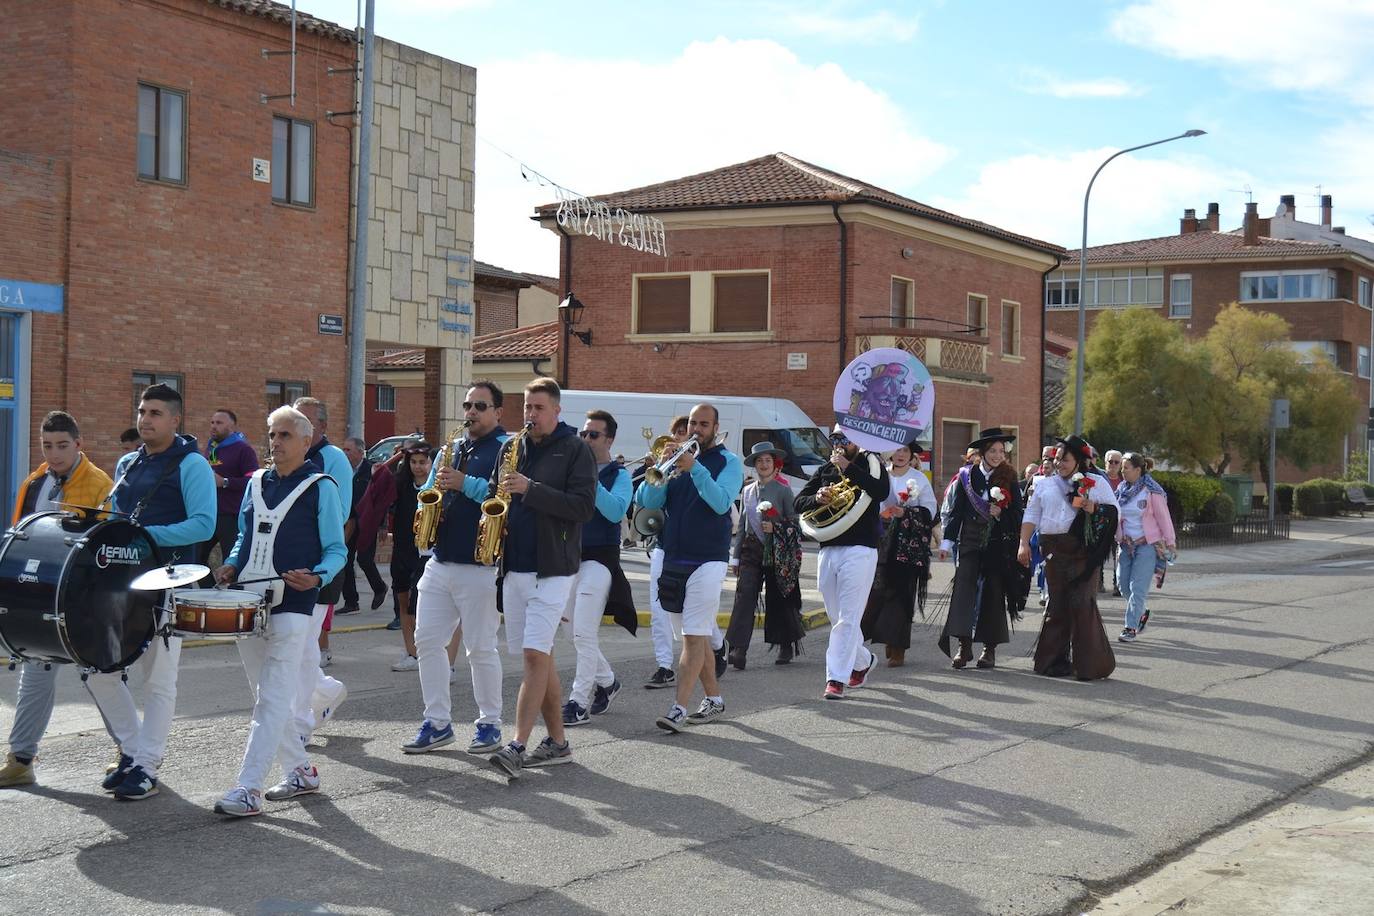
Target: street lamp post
{"points": [[1083, 274]]}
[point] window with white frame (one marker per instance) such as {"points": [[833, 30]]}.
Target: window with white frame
{"points": [[1106, 288], [386, 399], [1181, 296], [977, 314], [903, 301], [1364, 293], [1362, 362], [1281, 285], [1312, 350], [1011, 328], [708, 303]]}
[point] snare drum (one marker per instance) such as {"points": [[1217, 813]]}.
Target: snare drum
{"points": [[217, 613]]}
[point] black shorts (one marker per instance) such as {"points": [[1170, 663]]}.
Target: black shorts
{"points": [[406, 569]]}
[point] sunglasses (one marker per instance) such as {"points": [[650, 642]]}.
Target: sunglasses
{"points": [[591, 434], [839, 439], [479, 406]]}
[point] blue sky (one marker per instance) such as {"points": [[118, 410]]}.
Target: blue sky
{"points": [[997, 111]]}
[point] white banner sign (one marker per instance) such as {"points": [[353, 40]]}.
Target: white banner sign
{"points": [[585, 216]]}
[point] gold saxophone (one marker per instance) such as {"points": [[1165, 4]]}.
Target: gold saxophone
{"points": [[429, 510], [491, 527]]}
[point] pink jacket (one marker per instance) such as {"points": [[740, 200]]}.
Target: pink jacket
{"points": [[1156, 521]]}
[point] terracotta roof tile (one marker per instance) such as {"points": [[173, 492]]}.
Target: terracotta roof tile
{"points": [[396, 359], [483, 270], [536, 341], [783, 179], [281, 12], [1203, 246]]}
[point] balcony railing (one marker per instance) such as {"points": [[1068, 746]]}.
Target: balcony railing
{"points": [[965, 360]]}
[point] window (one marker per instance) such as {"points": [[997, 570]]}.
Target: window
{"points": [[293, 158], [1289, 284], [161, 134], [955, 435], [1362, 362], [977, 314], [741, 303], [386, 399], [279, 394], [1364, 293], [1181, 296], [143, 380], [665, 305], [1115, 287], [1311, 350], [903, 302], [1011, 328]]}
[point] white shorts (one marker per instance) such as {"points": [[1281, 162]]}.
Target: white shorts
{"points": [[702, 601], [533, 608]]}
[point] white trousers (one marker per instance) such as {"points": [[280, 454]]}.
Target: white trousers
{"points": [[312, 677], [273, 667], [450, 594], [586, 606], [665, 627], [144, 740], [845, 577]]}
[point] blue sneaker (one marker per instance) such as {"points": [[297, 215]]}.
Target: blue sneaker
{"points": [[486, 739], [574, 714], [115, 778], [429, 738], [137, 785], [601, 699]]}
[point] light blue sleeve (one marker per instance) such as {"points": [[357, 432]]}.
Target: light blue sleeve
{"points": [[336, 466], [198, 493], [476, 488], [720, 492], [335, 554], [244, 538], [615, 502], [650, 496]]}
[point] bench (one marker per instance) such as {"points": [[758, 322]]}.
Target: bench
{"points": [[1354, 499]]}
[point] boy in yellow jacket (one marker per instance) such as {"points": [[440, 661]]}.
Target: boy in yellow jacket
{"points": [[66, 477]]}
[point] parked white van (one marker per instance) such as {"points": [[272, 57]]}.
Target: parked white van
{"points": [[746, 421]]}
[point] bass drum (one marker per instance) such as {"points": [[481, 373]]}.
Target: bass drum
{"points": [[64, 586]]}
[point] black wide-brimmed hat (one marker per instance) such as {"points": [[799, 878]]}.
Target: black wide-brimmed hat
{"points": [[1079, 448], [764, 448], [991, 435]]}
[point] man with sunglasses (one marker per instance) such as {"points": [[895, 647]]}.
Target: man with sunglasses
{"points": [[848, 561], [601, 586], [456, 591]]}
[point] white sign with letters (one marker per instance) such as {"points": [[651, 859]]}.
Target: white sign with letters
{"points": [[796, 360], [262, 170], [585, 216]]}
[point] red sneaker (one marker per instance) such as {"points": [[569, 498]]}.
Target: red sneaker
{"points": [[858, 678], [834, 690]]}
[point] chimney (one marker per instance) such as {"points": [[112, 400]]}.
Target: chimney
{"points": [[1251, 224], [1213, 221], [1188, 224], [1288, 206], [1339, 230], [1326, 211]]}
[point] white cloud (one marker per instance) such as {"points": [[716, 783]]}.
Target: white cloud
{"points": [[1134, 197], [1109, 87], [1317, 45], [879, 26], [597, 126]]}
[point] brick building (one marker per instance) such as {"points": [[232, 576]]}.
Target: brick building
{"points": [[779, 273], [169, 211], [1315, 276]]}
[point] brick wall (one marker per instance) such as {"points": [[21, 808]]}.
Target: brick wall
{"points": [[497, 309]]}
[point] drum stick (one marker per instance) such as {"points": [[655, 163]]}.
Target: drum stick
{"points": [[252, 581]]}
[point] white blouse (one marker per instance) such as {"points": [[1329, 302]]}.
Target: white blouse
{"points": [[924, 495], [1049, 508]]}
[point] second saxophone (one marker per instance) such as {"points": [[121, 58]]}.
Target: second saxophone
{"points": [[491, 527]]}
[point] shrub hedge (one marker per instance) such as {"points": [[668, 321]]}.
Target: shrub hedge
{"points": [[1188, 493]]}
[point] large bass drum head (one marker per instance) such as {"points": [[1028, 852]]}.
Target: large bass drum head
{"points": [[107, 624]]}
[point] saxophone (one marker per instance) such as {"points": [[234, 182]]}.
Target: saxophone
{"points": [[429, 510], [491, 527]]}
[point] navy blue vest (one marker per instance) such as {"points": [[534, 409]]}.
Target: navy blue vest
{"points": [[157, 477], [458, 530], [694, 533], [601, 532]]}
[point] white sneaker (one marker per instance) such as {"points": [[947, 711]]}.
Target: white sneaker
{"points": [[302, 781], [327, 698], [406, 663], [240, 802], [326, 659]]}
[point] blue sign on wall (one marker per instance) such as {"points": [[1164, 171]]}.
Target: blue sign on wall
{"points": [[30, 297]]}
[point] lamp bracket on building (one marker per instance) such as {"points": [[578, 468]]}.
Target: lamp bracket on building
{"points": [[339, 114], [330, 71]]}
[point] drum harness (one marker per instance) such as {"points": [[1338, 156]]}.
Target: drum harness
{"points": [[266, 522]]}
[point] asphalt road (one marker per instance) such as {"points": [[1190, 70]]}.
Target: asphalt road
{"points": [[932, 791]]}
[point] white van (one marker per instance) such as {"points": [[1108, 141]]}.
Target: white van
{"points": [[746, 421]]}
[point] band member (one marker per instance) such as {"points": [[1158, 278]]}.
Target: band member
{"points": [[552, 492], [455, 591], [765, 544], [665, 627], [288, 527], [1076, 515], [848, 561], [319, 695], [601, 586], [167, 485], [233, 460], [66, 476], [982, 524], [697, 499]]}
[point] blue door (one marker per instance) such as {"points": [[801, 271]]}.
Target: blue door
{"points": [[9, 368]]}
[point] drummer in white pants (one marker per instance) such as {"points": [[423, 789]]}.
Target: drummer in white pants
{"points": [[169, 487], [289, 526]]}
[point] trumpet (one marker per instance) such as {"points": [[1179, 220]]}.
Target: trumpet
{"points": [[657, 449], [658, 473]]}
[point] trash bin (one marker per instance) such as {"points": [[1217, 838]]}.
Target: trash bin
{"points": [[1241, 489]]}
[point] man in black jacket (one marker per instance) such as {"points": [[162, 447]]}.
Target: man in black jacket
{"points": [[848, 560], [552, 492], [364, 554]]}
